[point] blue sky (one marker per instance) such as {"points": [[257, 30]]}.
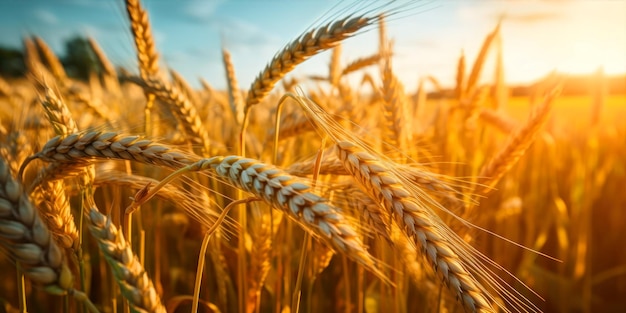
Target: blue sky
{"points": [[538, 36]]}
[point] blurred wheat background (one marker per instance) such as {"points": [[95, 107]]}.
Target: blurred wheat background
{"points": [[343, 186]]}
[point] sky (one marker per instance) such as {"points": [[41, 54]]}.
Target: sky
{"points": [[570, 36]]}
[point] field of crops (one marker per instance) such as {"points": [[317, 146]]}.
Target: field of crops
{"points": [[132, 191]]}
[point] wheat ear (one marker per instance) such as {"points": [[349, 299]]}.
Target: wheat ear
{"points": [[54, 206], [104, 62], [293, 196], [459, 88], [387, 189], [234, 96], [28, 239], [144, 41], [130, 275], [183, 86], [361, 63], [81, 148], [5, 88], [304, 47], [33, 62], [183, 109], [56, 68], [50, 197], [395, 128], [516, 146], [477, 68], [498, 119]]}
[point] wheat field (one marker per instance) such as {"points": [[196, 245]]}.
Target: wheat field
{"points": [[133, 191]]}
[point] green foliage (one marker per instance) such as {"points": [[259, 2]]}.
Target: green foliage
{"points": [[79, 59]]}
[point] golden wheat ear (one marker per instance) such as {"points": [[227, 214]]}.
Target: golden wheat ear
{"points": [[299, 50], [134, 283], [144, 41], [234, 95], [295, 198], [516, 146]]}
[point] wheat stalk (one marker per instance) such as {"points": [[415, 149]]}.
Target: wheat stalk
{"points": [[260, 252], [181, 198]]}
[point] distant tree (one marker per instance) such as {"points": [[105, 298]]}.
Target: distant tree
{"points": [[79, 59], [11, 62]]}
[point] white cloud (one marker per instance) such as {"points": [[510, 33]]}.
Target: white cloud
{"points": [[201, 9], [46, 17]]}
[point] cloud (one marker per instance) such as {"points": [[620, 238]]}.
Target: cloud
{"points": [[45, 17], [238, 33], [532, 17], [201, 10]]}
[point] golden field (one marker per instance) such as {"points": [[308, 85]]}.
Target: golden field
{"points": [[139, 193]]}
